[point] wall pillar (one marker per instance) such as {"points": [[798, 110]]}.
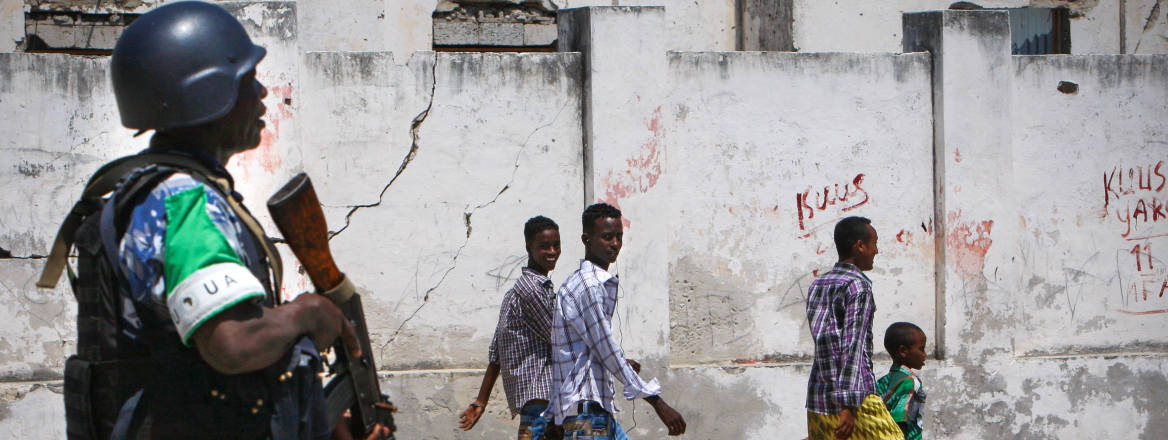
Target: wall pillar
{"points": [[765, 25], [625, 158], [11, 25], [972, 173]]}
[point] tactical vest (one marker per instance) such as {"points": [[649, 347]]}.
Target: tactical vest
{"points": [[156, 386]]}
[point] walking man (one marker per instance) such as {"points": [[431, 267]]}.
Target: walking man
{"points": [[586, 356], [841, 393], [521, 348]]}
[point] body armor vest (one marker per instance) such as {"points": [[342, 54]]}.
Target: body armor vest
{"points": [[153, 385]]}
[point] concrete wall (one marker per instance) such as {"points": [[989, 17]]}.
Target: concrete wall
{"points": [[788, 144], [1097, 26], [1002, 187]]}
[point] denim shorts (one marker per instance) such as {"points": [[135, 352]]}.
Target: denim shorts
{"points": [[533, 426], [592, 423]]}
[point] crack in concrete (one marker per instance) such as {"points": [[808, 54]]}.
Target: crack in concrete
{"points": [[1149, 23], [466, 217], [6, 254], [415, 127]]}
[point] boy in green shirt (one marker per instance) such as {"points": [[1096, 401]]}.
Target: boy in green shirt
{"points": [[901, 388]]}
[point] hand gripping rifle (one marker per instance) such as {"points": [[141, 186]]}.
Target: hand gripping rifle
{"points": [[353, 386]]}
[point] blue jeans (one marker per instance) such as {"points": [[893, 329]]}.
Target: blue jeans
{"points": [[592, 423], [533, 426]]}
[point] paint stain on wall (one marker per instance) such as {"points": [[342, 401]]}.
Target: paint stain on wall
{"points": [[265, 157], [967, 243], [642, 171]]}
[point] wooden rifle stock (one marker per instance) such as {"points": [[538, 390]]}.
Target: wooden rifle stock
{"points": [[354, 386]]}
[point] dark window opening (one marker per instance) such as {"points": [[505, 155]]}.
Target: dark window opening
{"points": [[73, 32], [1040, 31], [495, 26]]}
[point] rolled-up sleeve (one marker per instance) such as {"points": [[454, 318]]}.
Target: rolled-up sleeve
{"points": [[595, 329], [849, 389]]}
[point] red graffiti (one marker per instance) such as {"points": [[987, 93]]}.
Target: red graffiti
{"points": [[1134, 196], [643, 171], [1141, 178], [903, 236], [1142, 251], [848, 197], [966, 244], [820, 249], [957, 155], [265, 155]]}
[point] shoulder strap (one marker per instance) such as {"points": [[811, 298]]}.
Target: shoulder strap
{"points": [[888, 394], [106, 179]]}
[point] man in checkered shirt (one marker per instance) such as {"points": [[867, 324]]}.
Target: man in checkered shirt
{"points": [[841, 392], [521, 348], [585, 354]]}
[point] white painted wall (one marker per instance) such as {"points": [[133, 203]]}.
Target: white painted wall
{"points": [[11, 24], [689, 25], [1088, 287], [864, 26], [757, 139], [713, 271], [500, 143]]}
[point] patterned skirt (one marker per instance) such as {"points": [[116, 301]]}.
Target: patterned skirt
{"points": [[872, 422]]}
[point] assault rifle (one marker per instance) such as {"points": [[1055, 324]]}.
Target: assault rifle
{"points": [[353, 385]]}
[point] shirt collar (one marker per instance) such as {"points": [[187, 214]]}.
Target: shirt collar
{"points": [[601, 275], [901, 368], [539, 278], [850, 268]]}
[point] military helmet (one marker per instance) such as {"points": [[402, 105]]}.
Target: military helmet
{"points": [[180, 65]]}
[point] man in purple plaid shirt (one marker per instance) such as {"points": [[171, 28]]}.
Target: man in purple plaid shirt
{"points": [[841, 393]]}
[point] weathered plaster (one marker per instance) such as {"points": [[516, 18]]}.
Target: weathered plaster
{"points": [[688, 25], [399, 140], [1091, 248], [762, 132], [26, 410], [985, 180], [11, 25], [876, 26]]}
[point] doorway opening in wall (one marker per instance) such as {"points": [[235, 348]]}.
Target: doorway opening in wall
{"points": [[73, 32], [495, 26], [1040, 31]]}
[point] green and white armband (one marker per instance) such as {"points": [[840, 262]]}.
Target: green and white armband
{"points": [[203, 273]]}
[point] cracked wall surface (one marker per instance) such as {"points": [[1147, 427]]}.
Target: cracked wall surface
{"points": [[482, 142], [728, 165]]}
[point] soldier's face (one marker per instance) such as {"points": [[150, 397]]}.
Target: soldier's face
{"points": [[244, 123]]}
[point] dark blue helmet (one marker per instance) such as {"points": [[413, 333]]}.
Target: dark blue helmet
{"points": [[180, 65]]}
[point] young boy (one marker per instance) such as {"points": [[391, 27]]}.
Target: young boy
{"points": [[586, 356], [901, 388], [521, 348]]}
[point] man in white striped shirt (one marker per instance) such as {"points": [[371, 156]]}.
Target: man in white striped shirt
{"points": [[585, 356]]}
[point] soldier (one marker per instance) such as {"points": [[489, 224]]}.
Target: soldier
{"points": [[179, 333]]}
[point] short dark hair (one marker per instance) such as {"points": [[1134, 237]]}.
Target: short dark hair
{"points": [[898, 334], [595, 211], [847, 232], [536, 225]]}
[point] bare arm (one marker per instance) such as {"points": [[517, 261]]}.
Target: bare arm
{"points": [[669, 416], [248, 337], [471, 415]]}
